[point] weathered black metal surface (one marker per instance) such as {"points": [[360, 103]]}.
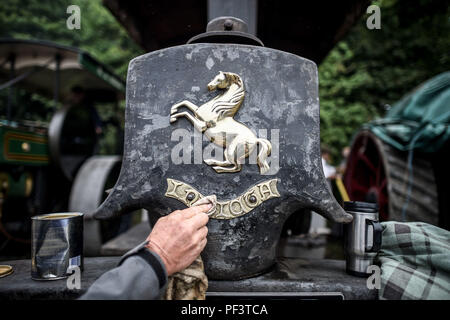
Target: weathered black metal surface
{"points": [[281, 95], [20, 286], [289, 275]]}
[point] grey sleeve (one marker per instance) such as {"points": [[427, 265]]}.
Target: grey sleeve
{"points": [[140, 276]]}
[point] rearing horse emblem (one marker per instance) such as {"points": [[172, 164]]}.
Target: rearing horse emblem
{"points": [[215, 120]]}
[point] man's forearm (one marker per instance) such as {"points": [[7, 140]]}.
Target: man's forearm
{"points": [[141, 275]]}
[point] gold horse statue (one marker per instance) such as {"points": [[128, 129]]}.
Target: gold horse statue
{"points": [[215, 120]]}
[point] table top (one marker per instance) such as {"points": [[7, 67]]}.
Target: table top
{"points": [[290, 276]]}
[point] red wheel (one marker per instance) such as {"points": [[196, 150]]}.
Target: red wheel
{"points": [[365, 177], [376, 172]]}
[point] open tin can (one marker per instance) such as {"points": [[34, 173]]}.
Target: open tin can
{"points": [[57, 245]]}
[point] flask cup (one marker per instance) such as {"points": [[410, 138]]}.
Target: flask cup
{"points": [[362, 237]]}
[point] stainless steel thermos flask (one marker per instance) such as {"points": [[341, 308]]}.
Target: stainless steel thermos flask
{"points": [[362, 237]]}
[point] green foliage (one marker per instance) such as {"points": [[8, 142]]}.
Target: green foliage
{"points": [[100, 35], [371, 69]]}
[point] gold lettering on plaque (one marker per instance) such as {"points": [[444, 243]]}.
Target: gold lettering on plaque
{"points": [[173, 192], [230, 209], [215, 120]]}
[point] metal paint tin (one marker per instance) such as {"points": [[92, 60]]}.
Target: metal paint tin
{"points": [[57, 245]]}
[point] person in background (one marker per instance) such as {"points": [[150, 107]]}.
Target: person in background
{"points": [[328, 170], [78, 97], [343, 165]]}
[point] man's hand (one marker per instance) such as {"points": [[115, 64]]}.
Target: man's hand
{"points": [[180, 237]]}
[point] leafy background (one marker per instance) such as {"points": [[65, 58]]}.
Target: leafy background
{"points": [[364, 74], [371, 69]]}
